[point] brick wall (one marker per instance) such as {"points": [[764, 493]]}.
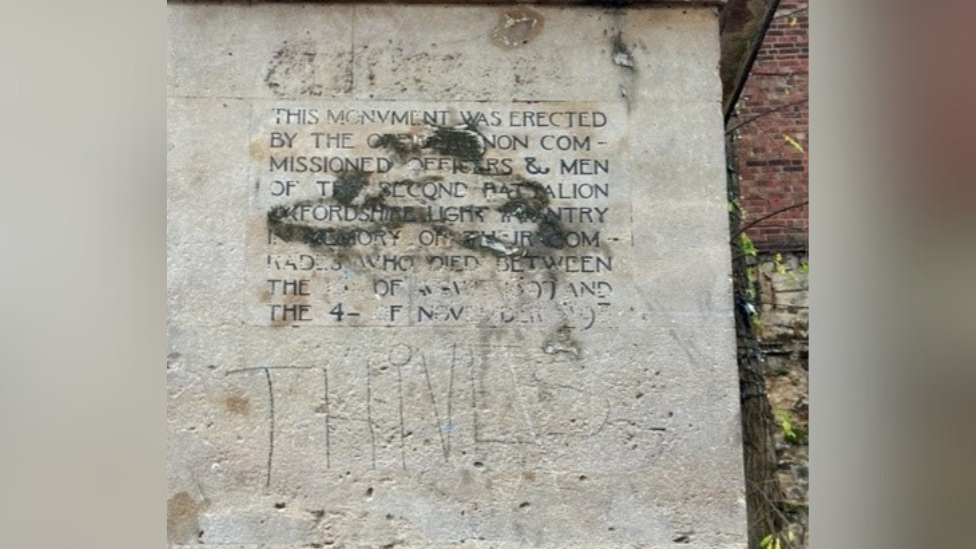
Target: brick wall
{"points": [[770, 144], [771, 139]]}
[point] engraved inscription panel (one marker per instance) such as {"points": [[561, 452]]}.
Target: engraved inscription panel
{"points": [[367, 214]]}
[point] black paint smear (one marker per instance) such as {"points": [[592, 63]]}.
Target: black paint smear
{"points": [[290, 231], [316, 237], [293, 232], [530, 204], [292, 70], [536, 208], [401, 149], [527, 208], [621, 54], [463, 144], [375, 201], [550, 232], [348, 186]]}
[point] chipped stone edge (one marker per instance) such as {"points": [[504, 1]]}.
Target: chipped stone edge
{"points": [[582, 3], [471, 544]]}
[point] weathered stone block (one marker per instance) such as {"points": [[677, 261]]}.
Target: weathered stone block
{"points": [[449, 274]]}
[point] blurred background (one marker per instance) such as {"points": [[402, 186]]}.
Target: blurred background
{"points": [[891, 317]]}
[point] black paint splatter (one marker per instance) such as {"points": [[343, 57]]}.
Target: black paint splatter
{"points": [[464, 144]]}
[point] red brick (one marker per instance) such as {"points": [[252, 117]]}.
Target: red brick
{"points": [[772, 173]]}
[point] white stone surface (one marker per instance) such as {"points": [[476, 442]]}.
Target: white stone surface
{"points": [[603, 418]]}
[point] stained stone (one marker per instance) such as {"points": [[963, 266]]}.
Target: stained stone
{"points": [[446, 274]]}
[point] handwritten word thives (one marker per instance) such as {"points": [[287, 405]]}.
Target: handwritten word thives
{"points": [[404, 407]]}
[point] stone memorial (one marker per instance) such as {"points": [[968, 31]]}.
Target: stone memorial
{"points": [[445, 274]]}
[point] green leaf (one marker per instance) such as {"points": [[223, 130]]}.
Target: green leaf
{"points": [[748, 247], [780, 266], [787, 426], [793, 143]]}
